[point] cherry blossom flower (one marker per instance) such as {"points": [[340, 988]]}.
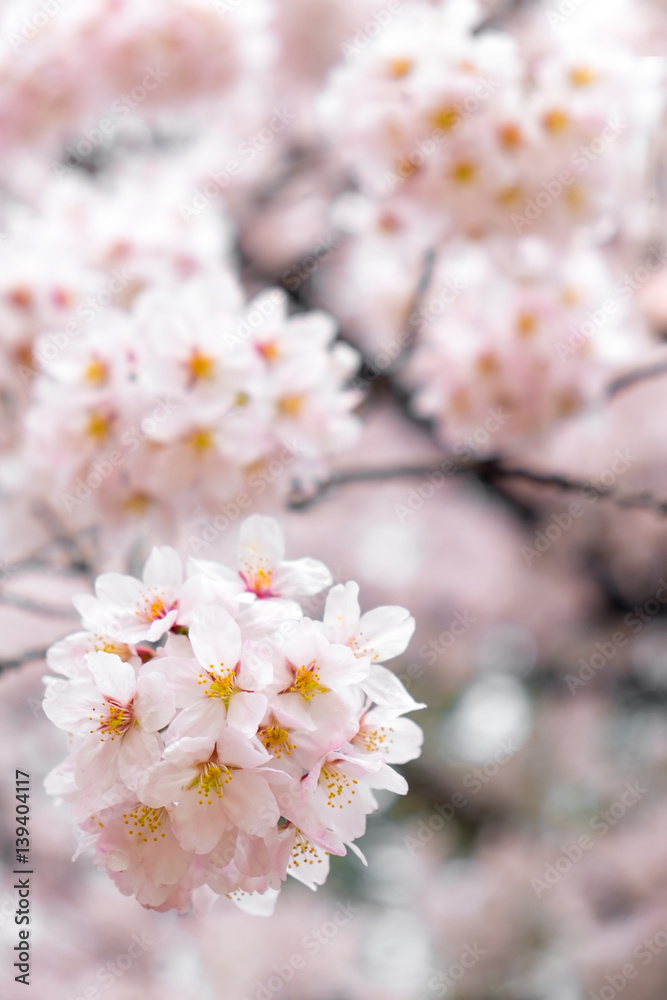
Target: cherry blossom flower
{"points": [[118, 713], [262, 568], [219, 685], [132, 609], [218, 785]]}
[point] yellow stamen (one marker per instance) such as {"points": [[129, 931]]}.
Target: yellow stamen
{"points": [[463, 172], [446, 118], [582, 76], [146, 821], [209, 781], [487, 364], [137, 503], [508, 195], [304, 851], [201, 365], [96, 372], [510, 136], [568, 403], [114, 719], [307, 682], [269, 350], [372, 740], [574, 197], [218, 684], [277, 741], [337, 785], [117, 648], [290, 406], [98, 426], [202, 440], [526, 324], [400, 67], [556, 121]]}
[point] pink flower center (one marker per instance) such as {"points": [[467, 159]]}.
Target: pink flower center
{"points": [[153, 609], [114, 719], [258, 581]]}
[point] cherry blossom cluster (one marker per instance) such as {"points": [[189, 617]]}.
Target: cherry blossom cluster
{"points": [[465, 122], [191, 389], [82, 248], [155, 59], [513, 161], [219, 737], [522, 343]]}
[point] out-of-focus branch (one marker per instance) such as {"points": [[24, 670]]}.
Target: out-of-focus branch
{"points": [[27, 604], [638, 375], [487, 471], [420, 291], [17, 661]]}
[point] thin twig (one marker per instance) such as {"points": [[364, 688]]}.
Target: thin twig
{"points": [[638, 375], [487, 471], [27, 604], [18, 661]]}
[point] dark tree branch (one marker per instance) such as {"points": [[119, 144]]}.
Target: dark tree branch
{"points": [[27, 604], [17, 661], [638, 375], [488, 471]]}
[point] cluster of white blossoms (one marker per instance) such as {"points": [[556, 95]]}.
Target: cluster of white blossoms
{"points": [[521, 343], [219, 737], [485, 145], [434, 114], [189, 392], [159, 58]]}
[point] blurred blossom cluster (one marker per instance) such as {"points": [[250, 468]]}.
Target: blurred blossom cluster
{"points": [[383, 285]]}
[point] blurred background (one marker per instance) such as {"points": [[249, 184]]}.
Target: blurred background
{"points": [[476, 194]]}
